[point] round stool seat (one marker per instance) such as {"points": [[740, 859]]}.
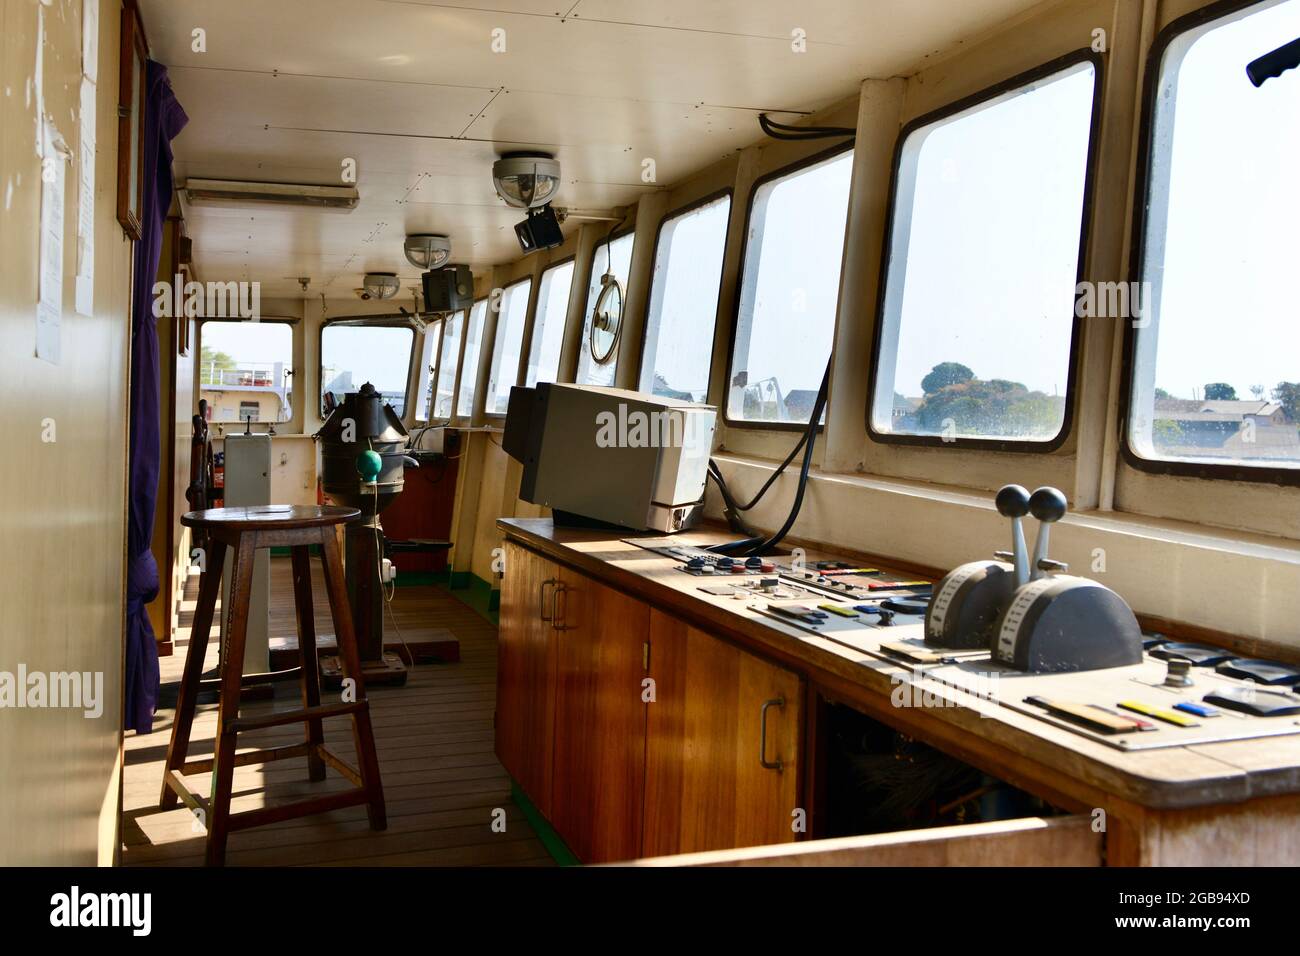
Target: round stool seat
{"points": [[270, 517]]}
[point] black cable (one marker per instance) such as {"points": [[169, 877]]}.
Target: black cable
{"points": [[730, 511], [755, 543], [787, 132], [803, 438]]}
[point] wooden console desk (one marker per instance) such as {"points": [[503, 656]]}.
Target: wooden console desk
{"points": [[645, 718]]}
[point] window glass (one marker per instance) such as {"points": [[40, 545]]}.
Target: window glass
{"points": [[504, 372], [469, 364], [684, 302], [790, 288], [244, 371], [351, 355], [548, 325], [449, 356], [613, 257], [983, 262], [429, 367], [1216, 370]]}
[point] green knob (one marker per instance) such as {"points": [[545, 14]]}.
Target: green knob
{"points": [[369, 465]]}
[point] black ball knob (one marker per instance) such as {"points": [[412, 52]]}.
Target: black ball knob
{"points": [[1012, 501], [1047, 504]]}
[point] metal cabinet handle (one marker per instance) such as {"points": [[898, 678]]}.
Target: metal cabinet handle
{"points": [[541, 600], [556, 612], [776, 765]]}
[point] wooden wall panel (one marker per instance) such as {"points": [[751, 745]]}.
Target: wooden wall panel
{"points": [[61, 564]]}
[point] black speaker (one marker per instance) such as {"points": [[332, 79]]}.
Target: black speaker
{"points": [[449, 289], [541, 230]]}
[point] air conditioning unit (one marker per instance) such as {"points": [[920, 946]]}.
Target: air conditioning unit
{"points": [[227, 191]]}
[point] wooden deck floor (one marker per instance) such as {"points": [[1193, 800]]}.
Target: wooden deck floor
{"points": [[441, 779]]}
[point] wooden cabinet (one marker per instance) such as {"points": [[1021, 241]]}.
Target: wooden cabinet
{"points": [[706, 757], [598, 774], [722, 744], [525, 704]]}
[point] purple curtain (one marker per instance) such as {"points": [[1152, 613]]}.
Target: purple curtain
{"points": [[163, 119]]}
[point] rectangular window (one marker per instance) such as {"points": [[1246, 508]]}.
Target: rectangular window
{"points": [[684, 302], [245, 366], [548, 324], [977, 320], [506, 347], [469, 364], [1216, 345], [429, 367], [448, 357], [351, 355], [613, 258], [789, 291]]}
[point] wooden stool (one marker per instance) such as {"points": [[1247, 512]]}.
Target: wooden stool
{"points": [[245, 530]]}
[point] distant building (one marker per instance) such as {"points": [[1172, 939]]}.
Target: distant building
{"points": [[256, 392], [1221, 428]]}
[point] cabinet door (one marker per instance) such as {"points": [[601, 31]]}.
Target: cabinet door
{"points": [[526, 672], [715, 736], [600, 714]]}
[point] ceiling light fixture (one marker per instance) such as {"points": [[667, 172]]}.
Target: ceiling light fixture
{"points": [[380, 285], [526, 180], [427, 251]]}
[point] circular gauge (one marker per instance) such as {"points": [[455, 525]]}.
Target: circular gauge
{"points": [[606, 321]]}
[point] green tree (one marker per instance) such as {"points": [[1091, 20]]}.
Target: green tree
{"points": [[1162, 394], [945, 374], [1220, 392], [1287, 394], [997, 408], [212, 363]]}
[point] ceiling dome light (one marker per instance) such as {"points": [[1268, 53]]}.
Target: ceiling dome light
{"points": [[526, 180], [427, 251], [381, 285]]}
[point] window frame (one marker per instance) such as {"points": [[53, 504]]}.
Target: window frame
{"points": [[434, 370], [729, 193], [1048, 446], [397, 322], [532, 319], [525, 337], [780, 173], [266, 320], [611, 237], [1137, 261], [456, 414]]}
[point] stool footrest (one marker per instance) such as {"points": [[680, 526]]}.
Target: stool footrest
{"points": [[204, 764], [254, 680], [243, 725], [288, 811], [196, 803]]}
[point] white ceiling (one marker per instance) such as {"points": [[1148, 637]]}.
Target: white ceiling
{"points": [[412, 90]]}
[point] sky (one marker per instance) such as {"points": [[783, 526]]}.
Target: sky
{"points": [[684, 299], [1229, 309]]}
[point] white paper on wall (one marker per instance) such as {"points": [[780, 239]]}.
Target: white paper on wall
{"points": [[49, 304], [90, 40], [86, 202]]}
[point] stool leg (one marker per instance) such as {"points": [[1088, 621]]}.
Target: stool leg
{"points": [[363, 735], [187, 697], [307, 645], [232, 665]]}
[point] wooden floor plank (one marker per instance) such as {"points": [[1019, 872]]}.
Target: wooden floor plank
{"points": [[442, 781]]}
